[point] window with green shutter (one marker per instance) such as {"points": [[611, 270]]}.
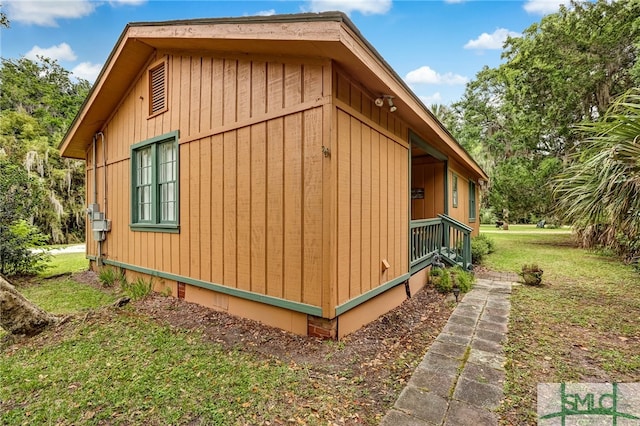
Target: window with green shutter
{"points": [[154, 184]]}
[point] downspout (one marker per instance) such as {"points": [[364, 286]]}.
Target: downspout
{"points": [[104, 172], [95, 178], [104, 189]]}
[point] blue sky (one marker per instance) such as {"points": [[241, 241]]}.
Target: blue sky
{"points": [[437, 46]]}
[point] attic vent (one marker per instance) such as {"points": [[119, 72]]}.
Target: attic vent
{"points": [[157, 89]]}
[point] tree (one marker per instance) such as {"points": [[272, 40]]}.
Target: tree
{"points": [[519, 119], [600, 190], [568, 67], [44, 90], [4, 22], [18, 195], [38, 101], [17, 314], [523, 188]]}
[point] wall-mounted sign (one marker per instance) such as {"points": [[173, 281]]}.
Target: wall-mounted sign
{"points": [[417, 193]]}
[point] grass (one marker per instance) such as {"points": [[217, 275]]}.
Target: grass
{"points": [[582, 325], [116, 366], [65, 263], [122, 371], [65, 296]]}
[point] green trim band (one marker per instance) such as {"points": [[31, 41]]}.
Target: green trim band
{"points": [[341, 309], [171, 229], [243, 294]]}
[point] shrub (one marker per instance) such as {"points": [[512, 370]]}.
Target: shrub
{"points": [[479, 249], [464, 279], [16, 254], [137, 289], [481, 246], [487, 216], [109, 276], [441, 279]]}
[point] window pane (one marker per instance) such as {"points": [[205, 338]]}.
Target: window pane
{"points": [[171, 176], [162, 173], [167, 200], [144, 157], [167, 152], [171, 192], [146, 211], [165, 170], [169, 212], [163, 212]]}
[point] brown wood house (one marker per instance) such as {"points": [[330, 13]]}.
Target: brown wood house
{"points": [[275, 168]]}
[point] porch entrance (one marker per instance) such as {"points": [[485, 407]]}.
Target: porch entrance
{"points": [[432, 231]]}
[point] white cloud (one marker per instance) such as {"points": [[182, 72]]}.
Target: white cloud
{"points": [[126, 2], [454, 1], [46, 13], [61, 52], [425, 75], [436, 98], [87, 71], [366, 7], [543, 7], [269, 12], [491, 41]]}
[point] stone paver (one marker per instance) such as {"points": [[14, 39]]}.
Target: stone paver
{"points": [[424, 405], [459, 381]]}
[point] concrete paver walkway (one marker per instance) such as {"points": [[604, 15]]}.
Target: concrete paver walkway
{"points": [[459, 382]]}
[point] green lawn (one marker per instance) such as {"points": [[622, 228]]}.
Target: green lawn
{"points": [[582, 325], [65, 296], [116, 366], [65, 263], [128, 370]]}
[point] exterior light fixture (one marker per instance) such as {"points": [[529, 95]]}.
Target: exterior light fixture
{"points": [[380, 102], [455, 289], [392, 107]]}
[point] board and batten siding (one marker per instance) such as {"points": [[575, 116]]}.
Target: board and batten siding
{"points": [[370, 161], [251, 174], [428, 174]]}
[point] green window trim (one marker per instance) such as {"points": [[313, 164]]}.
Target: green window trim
{"points": [[155, 193], [472, 201]]}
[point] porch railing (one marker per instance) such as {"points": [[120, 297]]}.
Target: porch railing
{"points": [[442, 235]]}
